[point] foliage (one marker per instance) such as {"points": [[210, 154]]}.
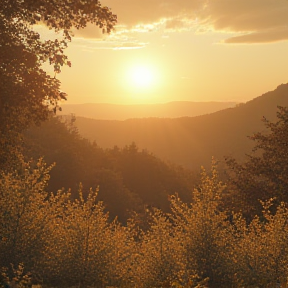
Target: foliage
{"points": [[24, 214], [19, 279], [160, 254], [260, 249], [25, 87], [264, 174], [65, 242], [60, 240], [205, 231], [78, 247]]}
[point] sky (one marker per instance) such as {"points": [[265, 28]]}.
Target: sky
{"points": [[180, 50]]}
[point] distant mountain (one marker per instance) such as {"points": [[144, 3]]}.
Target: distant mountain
{"points": [[191, 141], [123, 112]]}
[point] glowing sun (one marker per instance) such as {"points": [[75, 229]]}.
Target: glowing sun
{"points": [[141, 76]]}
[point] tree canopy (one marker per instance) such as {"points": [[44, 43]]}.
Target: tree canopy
{"points": [[264, 174], [26, 88]]}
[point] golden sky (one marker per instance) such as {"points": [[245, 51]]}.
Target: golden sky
{"points": [[174, 50]]}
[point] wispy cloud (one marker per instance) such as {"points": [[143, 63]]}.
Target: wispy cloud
{"points": [[112, 42], [256, 21], [272, 35]]}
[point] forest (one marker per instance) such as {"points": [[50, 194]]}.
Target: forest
{"points": [[75, 214], [178, 229]]}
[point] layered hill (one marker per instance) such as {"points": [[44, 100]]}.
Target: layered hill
{"points": [[191, 141], [128, 179], [122, 112]]}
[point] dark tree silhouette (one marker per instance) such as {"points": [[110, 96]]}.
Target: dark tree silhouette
{"points": [[264, 174], [26, 89]]}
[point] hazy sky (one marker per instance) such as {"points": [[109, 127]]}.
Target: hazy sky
{"points": [[173, 50]]}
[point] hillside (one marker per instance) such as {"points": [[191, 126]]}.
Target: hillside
{"points": [[122, 112], [190, 141], [129, 179]]}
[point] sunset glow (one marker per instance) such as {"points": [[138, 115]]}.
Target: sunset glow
{"points": [[198, 57], [143, 143]]}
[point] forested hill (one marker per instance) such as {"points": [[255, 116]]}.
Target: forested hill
{"points": [[174, 109], [129, 179], [191, 141]]}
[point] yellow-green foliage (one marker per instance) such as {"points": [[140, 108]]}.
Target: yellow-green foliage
{"points": [[204, 231], [65, 242], [24, 214], [160, 254], [18, 279], [260, 249]]}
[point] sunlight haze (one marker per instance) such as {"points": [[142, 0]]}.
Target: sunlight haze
{"points": [[180, 51]]}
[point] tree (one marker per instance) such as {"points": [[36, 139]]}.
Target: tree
{"points": [[160, 258], [204, 230], [264, 174], [24, 214], [259, 254], [26, 89], [77, 250], [59, 240]]}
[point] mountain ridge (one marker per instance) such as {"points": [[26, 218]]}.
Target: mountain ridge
{"points": [[173, 109], [191, 141]]}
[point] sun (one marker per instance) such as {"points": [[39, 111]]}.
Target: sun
{"points": [[141, 77]]}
